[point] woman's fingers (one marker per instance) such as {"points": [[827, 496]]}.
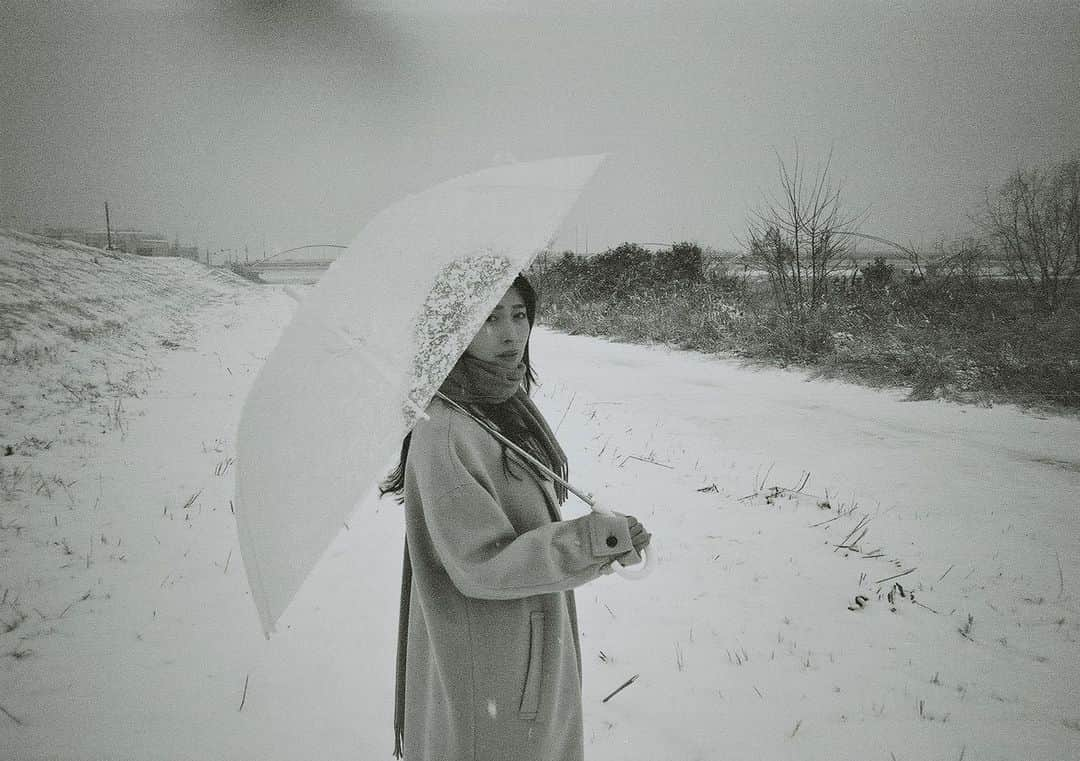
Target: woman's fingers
{"points": [[639, 537]]}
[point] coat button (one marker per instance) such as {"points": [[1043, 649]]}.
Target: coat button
{"points": [[612, 541]]}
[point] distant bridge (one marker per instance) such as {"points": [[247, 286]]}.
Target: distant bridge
{"points": [[298, 268], [289, 264]]}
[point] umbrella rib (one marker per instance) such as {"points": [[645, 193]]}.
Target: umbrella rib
{"points": [[586, 498]]}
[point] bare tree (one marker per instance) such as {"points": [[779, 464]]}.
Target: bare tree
{"points": [[1034, 219], [796, 238]]}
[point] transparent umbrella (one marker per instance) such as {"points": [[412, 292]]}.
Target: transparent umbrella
{"points": [[367, 350]]}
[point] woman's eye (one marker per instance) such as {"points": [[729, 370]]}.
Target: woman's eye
{"points": [[520, 315]]}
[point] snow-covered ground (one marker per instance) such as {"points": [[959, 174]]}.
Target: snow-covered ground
{"points": [[127, 631]]}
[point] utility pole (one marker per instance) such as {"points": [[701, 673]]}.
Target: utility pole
{"points": [[108, 228]]}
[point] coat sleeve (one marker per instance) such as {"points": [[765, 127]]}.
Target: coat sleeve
{"points": [[481, 551], [486, 558]]}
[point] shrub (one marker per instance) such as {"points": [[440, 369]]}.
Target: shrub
{"points": [[684, 262], [879, 275], [1034, 219]]}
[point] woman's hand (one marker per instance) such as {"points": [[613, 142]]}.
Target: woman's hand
{"points": [[640, 539]]}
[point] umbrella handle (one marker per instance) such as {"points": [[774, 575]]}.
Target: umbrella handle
{"points": [[648, 557]]}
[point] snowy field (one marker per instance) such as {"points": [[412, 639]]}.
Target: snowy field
{"points": [[844, 575]]}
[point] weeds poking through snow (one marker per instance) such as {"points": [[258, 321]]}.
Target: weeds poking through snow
{"points": [[965, 630], [243, 698], [14, 623], [860, 602], [920, 706], [191, 499], [223, 466], [797, 725], [680, 662], [115, 416]]}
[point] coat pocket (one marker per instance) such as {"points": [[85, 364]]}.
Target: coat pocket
{"points": [[530, 697]]}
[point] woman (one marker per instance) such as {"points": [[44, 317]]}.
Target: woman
{"points": [[489, 662]]}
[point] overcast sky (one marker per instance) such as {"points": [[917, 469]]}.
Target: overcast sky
{"points": [[284, 123]]}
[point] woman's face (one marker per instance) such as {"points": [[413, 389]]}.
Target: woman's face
{"points": [[503, 336]]}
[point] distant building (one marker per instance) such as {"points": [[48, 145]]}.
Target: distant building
{"points": [[136, 242], [131, 242]]}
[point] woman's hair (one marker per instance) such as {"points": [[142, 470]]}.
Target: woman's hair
{"points": [[394, 483]]}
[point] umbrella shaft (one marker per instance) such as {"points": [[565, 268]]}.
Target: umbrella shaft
{"points": [[586, 498]]}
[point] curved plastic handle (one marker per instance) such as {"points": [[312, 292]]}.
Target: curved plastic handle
{"points": [[638, 571], [635, 572]]}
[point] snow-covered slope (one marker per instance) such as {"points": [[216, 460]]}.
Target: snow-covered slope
{"points": [[127, 630]]}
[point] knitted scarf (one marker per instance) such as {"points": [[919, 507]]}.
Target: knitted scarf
{"points": [[494, 392]]}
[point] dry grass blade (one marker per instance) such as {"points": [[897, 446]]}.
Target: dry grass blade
{"points": [[243, 698], [81, 599], [896, 576], [571, 404], [11, 716], [621, 687], [72, 391], [644, 459], [861, 524]]}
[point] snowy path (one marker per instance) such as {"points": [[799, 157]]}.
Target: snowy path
{"points": [[994, 490], [742, 638]]}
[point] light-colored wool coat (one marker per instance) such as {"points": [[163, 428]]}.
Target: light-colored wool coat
{"points": [[493, 668]]}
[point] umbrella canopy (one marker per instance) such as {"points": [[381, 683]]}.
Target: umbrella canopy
{"points": [[368, 348]]}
